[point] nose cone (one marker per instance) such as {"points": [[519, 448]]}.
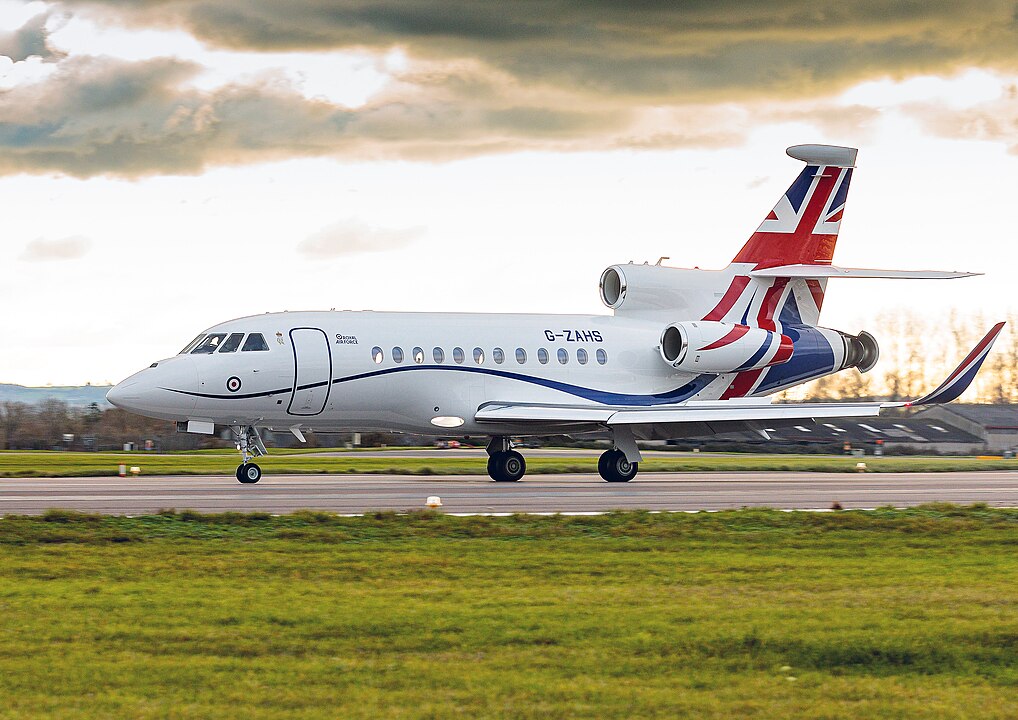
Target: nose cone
{"points": [[122, 394], [165, 390]]}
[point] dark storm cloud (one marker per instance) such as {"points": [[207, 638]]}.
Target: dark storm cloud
{"points": [[30, 40], [106, 116], [481, 77], [677, 50]]}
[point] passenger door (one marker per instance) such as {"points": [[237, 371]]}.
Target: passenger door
{"points": [[312, 374]]}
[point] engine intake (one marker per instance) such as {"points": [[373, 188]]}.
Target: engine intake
{"points": [[716, 347]]}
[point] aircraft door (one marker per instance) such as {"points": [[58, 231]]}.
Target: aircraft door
{"points": [[312, 372]]}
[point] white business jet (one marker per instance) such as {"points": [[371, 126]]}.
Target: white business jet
{"points": [[685, 353]]}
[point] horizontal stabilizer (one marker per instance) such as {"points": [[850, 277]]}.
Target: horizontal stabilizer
{"points": [[830, 271]]}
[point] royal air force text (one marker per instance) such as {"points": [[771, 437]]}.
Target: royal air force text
{"points": [[574, 335]]}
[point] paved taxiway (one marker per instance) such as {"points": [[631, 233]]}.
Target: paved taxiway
{"points": [[536, 493]]}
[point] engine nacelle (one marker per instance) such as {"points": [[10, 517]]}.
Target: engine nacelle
{"points": [[656, 292], [706, 346]]}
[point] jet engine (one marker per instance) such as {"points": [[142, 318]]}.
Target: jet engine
{"points": [[705, 346], [656, 292]]}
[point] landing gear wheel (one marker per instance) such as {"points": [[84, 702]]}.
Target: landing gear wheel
{"points": [[249, 473], [613, 467], [506, 466]]}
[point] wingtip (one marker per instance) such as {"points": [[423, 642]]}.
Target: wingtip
{"points": [[960, 380]]}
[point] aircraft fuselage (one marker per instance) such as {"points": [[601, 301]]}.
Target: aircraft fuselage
{"points": [[422, 373]]}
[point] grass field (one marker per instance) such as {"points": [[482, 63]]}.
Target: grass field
{"points": [[753, 613], [67, 464]]}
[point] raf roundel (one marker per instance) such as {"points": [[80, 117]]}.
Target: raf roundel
{"points": [[233, 384]]}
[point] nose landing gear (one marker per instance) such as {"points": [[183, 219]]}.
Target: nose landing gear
{"points": [[250, 444], [249, 473]]}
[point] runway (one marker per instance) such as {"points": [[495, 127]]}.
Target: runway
{"points": [[476, 494]]}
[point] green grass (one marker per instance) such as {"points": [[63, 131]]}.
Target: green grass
{"points": [[748, 614], [66, 464]]}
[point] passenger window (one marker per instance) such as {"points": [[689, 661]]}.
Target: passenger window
{"points": [[478, 356], [602, 356], [498, 356], [542, 356], [418, 355], [438, 354], [521, 355], [563, 356], [191, 345], [377, 355], [397, 355], [581, 356], [232, 343], [209, 344], [255, 342], [457, 355]]}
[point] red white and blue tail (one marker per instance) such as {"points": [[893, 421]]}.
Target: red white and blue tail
{"points": [[802, 228], [959, 380], [801, 232]]}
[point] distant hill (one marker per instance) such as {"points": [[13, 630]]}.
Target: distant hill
{"points": [[81, 395]]}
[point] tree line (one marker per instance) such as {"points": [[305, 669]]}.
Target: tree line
{"points": [[917, 354], [50, 425]]}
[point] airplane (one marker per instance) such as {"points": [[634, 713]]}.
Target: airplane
{"points": [[685, 353]]}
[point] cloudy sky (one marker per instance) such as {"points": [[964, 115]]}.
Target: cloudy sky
{"points": [[169, 164]]}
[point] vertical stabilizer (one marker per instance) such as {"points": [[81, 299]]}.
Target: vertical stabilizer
{"points": [[802, 228]]}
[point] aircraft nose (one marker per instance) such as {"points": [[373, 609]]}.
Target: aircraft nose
{"points": [[164, 390], [122, 394]]}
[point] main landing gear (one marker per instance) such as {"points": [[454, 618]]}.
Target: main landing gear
{"points": [[504, 464], [620, 464], [250, 444], [614, 467]]}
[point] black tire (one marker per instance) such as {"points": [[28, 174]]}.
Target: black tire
{"points": [[509, 466], [493, 467], [602, 463], [614, 467], [249, 473]]}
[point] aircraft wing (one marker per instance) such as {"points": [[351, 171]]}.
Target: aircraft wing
{"points": [[712, 416], [693, 411]]}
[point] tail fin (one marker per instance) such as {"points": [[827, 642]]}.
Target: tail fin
{"points": [[803, 226]]}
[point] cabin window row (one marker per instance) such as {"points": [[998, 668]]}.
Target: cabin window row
{"points": [[498, 355], [224, 343]]}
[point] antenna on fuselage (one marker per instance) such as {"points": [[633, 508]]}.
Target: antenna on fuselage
{"points": [[661, 259]]}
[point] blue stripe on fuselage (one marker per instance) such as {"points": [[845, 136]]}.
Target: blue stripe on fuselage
{"points": [[683, 392], [679, 394]]}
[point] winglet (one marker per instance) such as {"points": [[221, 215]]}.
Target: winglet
{"points": [[959, 380]]}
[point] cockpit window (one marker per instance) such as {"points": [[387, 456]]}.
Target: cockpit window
{"points": [[232, 343], [190, 346], [209, 344], [254, 341]]}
